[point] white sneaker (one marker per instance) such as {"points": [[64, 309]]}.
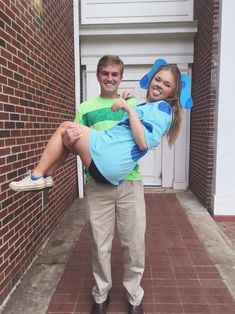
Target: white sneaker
{"points": [[49, 182], [27, 184]]}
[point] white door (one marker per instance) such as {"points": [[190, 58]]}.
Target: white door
{"points": [[150, 164]]}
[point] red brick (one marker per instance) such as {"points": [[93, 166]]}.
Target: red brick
{"points": [[203, 118], [28, 97]]}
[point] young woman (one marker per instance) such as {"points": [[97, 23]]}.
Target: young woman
{"points": [[110, 155]]}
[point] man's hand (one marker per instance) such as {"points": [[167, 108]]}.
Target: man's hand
{"points": [[127, 95], [72, 135]]}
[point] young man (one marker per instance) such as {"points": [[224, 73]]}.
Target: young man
{"points": [[107, 203]]}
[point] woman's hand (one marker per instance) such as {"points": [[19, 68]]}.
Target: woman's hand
{"points": [[121, 104], [136, 125]]}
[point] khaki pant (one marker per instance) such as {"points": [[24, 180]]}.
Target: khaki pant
{"points": [[124, 204]]}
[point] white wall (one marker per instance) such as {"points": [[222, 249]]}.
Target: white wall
{"points": [[224, 176], [135, 11], [166, 30]]}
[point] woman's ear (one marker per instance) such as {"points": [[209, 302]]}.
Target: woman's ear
{"points": [[185, 96]]}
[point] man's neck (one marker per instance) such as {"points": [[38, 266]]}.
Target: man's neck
{"points": [[109, 95]]}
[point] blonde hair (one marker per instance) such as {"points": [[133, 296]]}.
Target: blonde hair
{"points": [[110, 59], [174, 101]]}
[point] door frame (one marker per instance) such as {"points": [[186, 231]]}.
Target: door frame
{"points": [[175, 159]]}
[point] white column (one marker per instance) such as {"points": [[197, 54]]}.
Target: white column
{"points": [[77, 87], [224, 174], [181, 161], [92, 87]]}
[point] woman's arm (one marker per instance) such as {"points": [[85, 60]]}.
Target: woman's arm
{"points": [[136, 126]]}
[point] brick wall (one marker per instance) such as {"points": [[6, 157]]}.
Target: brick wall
{"points": [[204, 94], [37, 93]]}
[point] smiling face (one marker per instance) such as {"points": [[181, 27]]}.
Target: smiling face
{"points": [[162, 86], [109, 77]]}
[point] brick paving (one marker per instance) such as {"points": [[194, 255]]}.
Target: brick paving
{"points": [[228, 227], [179, 277]]}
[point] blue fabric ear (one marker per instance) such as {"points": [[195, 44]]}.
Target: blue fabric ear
{"points": [[185, 96], [144, 82]]}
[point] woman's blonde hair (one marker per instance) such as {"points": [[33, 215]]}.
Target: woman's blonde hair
{"points": [[174, 101]]}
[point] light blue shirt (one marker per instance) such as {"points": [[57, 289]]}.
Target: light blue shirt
{"points": [[115, 152]]}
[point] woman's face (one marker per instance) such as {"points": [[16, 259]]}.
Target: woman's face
{"points": [[162, 86]]}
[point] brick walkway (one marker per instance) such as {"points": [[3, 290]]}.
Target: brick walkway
{"points": [[179, 277], [228, 227]]}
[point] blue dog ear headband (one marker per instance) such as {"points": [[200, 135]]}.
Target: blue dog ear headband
{"points": [[185, 95]]}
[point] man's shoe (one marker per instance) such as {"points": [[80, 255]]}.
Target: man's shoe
{"points": [[135, 309], [100, 308]]}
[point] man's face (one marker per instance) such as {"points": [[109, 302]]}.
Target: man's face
{"points": [[109, 77]]}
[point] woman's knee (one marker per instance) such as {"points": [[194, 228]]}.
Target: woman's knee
{"points": [[66, 124]]}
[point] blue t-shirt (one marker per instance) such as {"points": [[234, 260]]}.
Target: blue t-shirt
{"points": [[115, 152]]}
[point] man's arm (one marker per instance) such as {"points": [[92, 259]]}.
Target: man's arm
{"points": [[71, 136]]}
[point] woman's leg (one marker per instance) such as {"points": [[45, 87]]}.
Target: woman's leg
{"points": [[51, 171], [56, 152]]}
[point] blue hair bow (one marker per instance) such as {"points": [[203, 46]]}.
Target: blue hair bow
{"points": [[185, 95]]}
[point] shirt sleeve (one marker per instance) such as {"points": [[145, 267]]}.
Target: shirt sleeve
{"points": [[158, 124], [79, 116]]}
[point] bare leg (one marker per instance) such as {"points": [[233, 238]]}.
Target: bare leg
{"points": [[55, 166], [55, 151]]}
